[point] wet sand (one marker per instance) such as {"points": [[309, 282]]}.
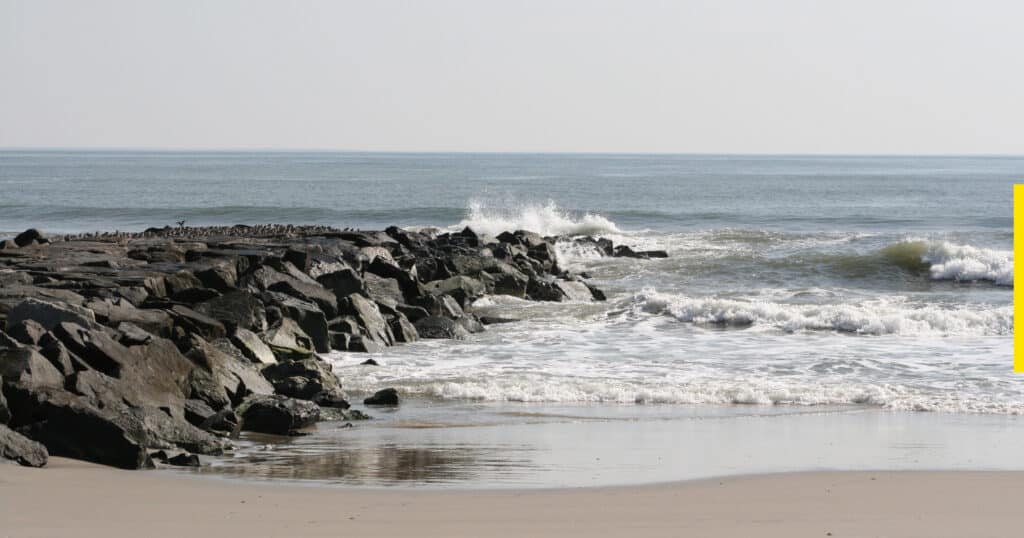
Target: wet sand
{"points": [[80, 499]]}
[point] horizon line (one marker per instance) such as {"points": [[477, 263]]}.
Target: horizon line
{"points": [[143, 149]]}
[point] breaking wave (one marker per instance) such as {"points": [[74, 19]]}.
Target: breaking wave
{"points": [[882, 316], [545, 219]]}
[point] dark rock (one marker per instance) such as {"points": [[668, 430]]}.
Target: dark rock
{"points": [[288, 341], [184, 460], [413, 313], [342, 283], [5, 413], [195, 323], [221, 276], [197, 412], [462, 288], [27, 368], [223, 377], [471, 324], [402, 329], [335, 400], [361, 344], [278, 415], [382, 289], [369, 362], [49, 314], [340, 341], [27, 332], [439, 327], [367, 314], [495, 320], [383, 397], [117, 311], [21, 449], [224, 422], [133, 335], [98, 349], [306, 314], [236, 309], [195, 295], [440, 305], [59, 356], [29, 237], [252, 347], [623, 251], [181, 282], [302, 379]]}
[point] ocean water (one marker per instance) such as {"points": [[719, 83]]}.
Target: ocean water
{"points": [[803, 282]]}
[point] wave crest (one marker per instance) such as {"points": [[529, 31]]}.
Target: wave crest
{"points": [[874, 317], [545, 219]]}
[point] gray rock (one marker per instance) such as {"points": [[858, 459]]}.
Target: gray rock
{"points": [[29, 237], [5, 413], [27, 332], [387, 397], [252, 347], [342, 283], [383, 290], [277, 415], [193, 322], [368, 315], [26, 367], [236, 309], [462, 288], [439, 327], [306, 314], [288, 341], [21, 449], [133, 335], [50, 314]]}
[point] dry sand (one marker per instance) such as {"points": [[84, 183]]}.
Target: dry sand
{"points": [[71, 498]]}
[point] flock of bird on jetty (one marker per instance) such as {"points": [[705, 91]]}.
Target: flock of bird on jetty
{"points": [[131, 349]]}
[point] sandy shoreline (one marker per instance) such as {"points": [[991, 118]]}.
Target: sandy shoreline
{"points": [[75, 498]]}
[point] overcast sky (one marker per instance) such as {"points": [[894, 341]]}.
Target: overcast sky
{"points": [[757, 76]]}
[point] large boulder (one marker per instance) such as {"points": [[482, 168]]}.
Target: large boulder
{"points": [[288, 341], [237, 309], [252, 347], [27, 332], [369, 317], [342, 282], [308, 379], [388, 397], [49, 314], [223, 376], [439, 327], [117, 311], [383, 290], [5, 413], [21, 449], [26, 367], [29, 237], [306, 314], [463, 288], [277, 415], [193, 322], [97, 348]]}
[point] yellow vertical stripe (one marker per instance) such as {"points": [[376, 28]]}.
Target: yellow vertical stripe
{"points": [[1018, 300]]}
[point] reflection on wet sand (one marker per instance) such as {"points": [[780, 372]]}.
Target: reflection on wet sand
{"points": [[358, 464]]}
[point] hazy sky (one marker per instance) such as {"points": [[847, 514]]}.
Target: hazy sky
{"points": [[822, 76]]}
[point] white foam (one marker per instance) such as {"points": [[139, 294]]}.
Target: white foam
{"points": [[950, 261], [875, 317], [544, 219]]}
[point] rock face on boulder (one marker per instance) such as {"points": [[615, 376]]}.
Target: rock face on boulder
{"points": [[383, 397], [115, 346], [17, 447], [439, 327], [278, 415]]}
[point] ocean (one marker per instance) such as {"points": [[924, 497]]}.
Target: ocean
{"points": [[793, 284]]}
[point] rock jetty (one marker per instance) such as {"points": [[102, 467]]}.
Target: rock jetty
{"points": [[122, 348]]}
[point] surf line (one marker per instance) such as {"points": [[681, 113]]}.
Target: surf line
{"points": [[1018, 293]]}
